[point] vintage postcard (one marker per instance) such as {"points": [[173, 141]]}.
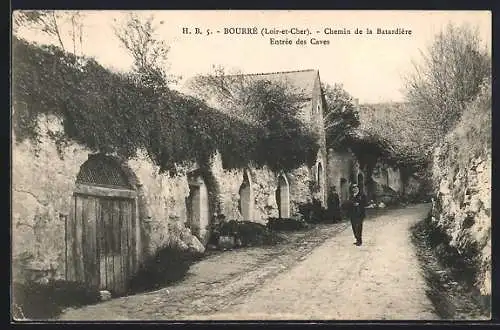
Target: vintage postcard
{"points": [[251, 165]]}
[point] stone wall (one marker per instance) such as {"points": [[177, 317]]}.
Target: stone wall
{"points": [[44, 180], [380, 174], [386, 184], [341, 165], [394, 179], [462, 209], [263, 184], [42, 186], [412, 186]]}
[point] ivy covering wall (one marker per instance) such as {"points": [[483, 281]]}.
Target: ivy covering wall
{"points": [[112, 112]]}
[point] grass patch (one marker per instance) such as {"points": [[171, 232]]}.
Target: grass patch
{"points": [[287, 224], [168, 266], [35, 301], [449, 275]]}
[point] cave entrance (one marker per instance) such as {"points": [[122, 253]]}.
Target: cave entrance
{"points": [[246, 198], [199, 211], [283, 197]]}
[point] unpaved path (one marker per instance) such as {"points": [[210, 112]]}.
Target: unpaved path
{"points": [[322, 277], [380, 280]]}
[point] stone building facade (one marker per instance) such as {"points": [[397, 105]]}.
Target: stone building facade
{"points": [[95, 218]]}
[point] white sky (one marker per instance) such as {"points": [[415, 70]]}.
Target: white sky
{"points": [[369, 67]]}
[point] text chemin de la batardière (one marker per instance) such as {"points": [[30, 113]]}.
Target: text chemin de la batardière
{"points": [[295, 35]]}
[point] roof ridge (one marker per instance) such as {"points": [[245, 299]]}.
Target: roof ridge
{"points": [[274, 72]]}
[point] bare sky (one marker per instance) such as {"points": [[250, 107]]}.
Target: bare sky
{"points": [[369, 66]]}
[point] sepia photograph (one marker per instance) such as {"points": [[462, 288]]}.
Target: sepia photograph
{"points": [[245, 165]]}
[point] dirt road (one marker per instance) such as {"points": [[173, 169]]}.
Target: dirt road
{"points": [[322, 277]]}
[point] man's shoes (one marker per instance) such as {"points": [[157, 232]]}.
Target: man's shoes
{"points": [[358, 243]]}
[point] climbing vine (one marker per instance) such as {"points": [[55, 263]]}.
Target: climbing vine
{"points": [[112, 112]]}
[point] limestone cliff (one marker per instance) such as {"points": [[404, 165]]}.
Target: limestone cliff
{"points": [[462, 179]]}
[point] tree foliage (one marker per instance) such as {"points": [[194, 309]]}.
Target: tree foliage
{"points": [[341, 116], [389, 127], [138, 35], [450, 74], [60, 25], [448, 77], [273, 106], [112, 113]]}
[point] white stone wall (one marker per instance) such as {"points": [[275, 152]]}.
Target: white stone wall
{"points": [[394, 179], [463, 209], [43, 183], [340, 165]]}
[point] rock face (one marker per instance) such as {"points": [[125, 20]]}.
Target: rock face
{"points": [[462, 208], [462, 182]]}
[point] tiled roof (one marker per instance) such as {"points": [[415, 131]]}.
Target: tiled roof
{"points": [[303, 80]]}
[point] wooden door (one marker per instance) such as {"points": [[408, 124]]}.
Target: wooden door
{"points": [[101, 242]]}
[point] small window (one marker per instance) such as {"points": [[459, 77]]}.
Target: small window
{"points": [[318, 108], [100, 170]]}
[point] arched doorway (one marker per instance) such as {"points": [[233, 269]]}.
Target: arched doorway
{"points": [[283, 197], [246, 198], [321, 182], [102, 231], [361, 183], [199, 211], [344, 190]]}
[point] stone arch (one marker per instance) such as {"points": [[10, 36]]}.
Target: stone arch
{"points": [[198, 203], [283, 196], [104, 170], [102, 233], [246, 203]]}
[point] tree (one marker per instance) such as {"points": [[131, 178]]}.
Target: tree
{"points": [[137, 35], [270, 105], [60, 25], [448, 77], [341, 116], [390, 125]]}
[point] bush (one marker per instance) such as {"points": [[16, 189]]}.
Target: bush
{"points": [[169, 265], [112, 113], [464, 264], [46, 301], [245, 233], [287, 224], [314, 212]]}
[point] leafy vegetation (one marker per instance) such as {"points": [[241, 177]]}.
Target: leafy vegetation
{"points": [[270, 106], [245, 233], [448, 77], [341, 115], [38, 301], [111, 112], [441, 87], [389, 127], [64, 27], [169, 265], [471, 137], [138, 35]]}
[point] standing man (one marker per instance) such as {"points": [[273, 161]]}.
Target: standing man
{"points": [[356, 207]]}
